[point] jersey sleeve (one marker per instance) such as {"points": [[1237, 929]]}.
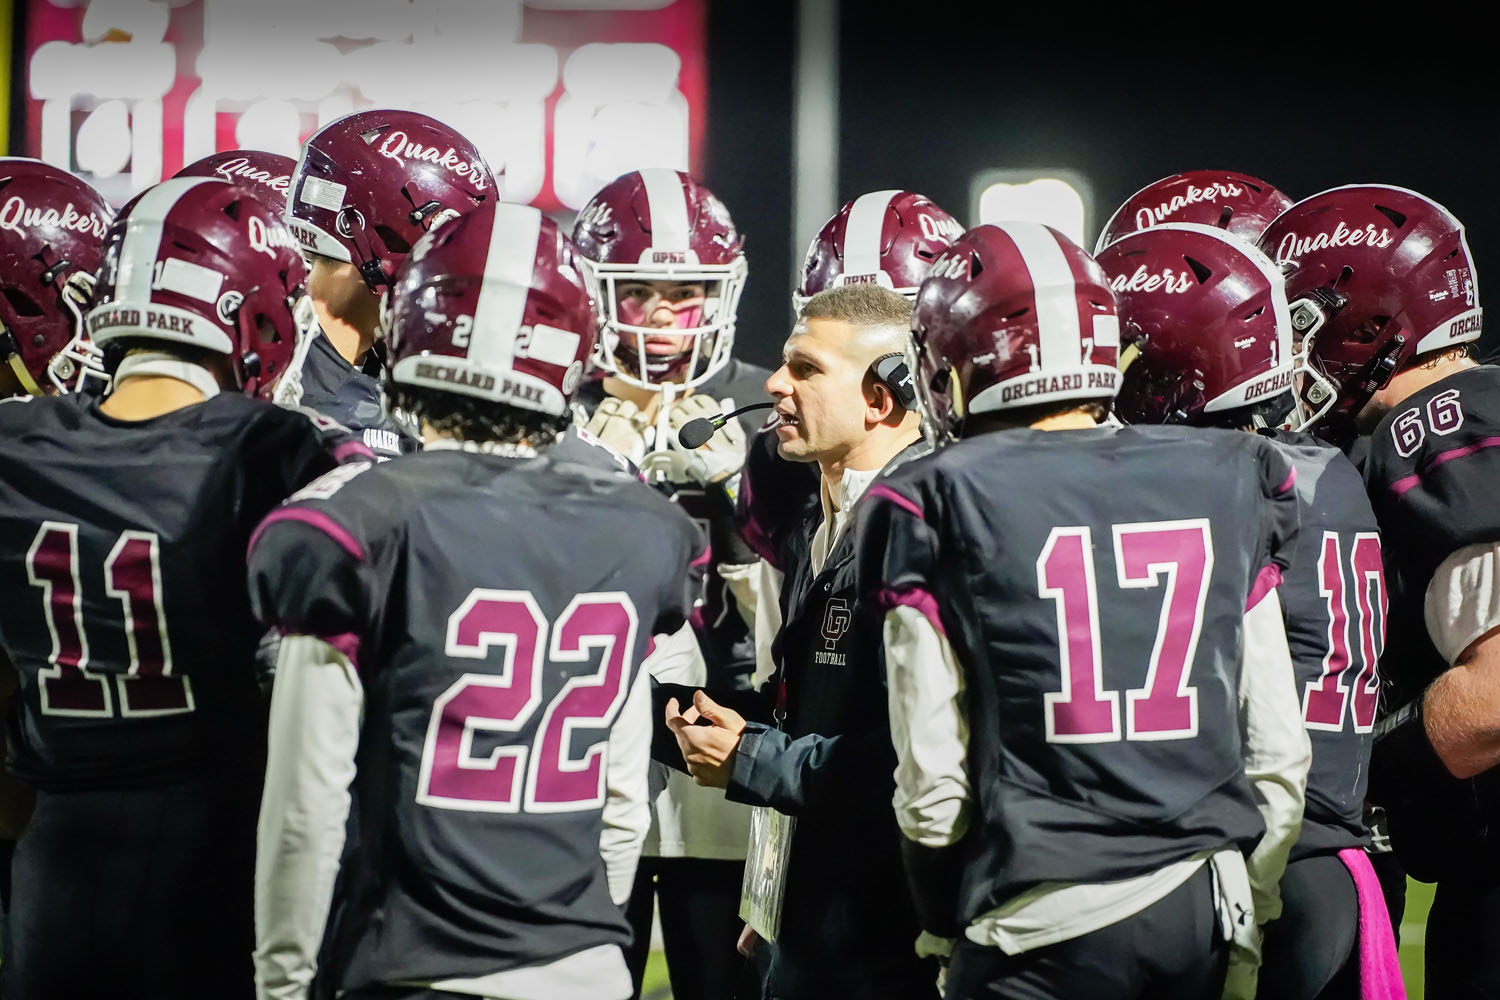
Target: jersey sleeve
{"points": [[688, 561], [1279, 518], [310, 572], [896, 547]]}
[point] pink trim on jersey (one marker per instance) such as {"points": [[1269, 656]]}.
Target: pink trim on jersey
{"points": [[1291, 480], [1267, 580], [346, 643], [700, 561], [1401, 486], [910, 506], [1379, 967], [314, 519], [355, 448], [912, 597]]}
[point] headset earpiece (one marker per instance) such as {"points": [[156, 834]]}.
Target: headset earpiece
{"points": [[891, 371]]}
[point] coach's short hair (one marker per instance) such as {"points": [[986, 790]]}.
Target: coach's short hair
{"points": [[859, 305]]}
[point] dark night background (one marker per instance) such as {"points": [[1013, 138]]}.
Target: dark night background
{"points": [[930, 96]]}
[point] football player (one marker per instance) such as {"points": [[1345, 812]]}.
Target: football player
{"points": [[267, 175], [668, 267], [141, 720], [465, 630], [1206, 341], [1238, 203], [365, 190], [52, 229], [1385, 296], [1100, 765]]}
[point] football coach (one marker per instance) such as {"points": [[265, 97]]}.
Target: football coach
{"points": [[824, 881]]}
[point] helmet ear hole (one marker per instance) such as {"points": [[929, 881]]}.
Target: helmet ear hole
{"points": [[265, 330]]}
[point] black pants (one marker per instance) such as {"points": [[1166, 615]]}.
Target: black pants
{"points": [[699, 899], [135, 893], [1308, 951], [1172, 950], [1463, 940]]}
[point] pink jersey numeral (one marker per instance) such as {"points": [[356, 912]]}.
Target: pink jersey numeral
{"points": [[1324, 700], [1166, 706], [452, 777], [132, 574]]}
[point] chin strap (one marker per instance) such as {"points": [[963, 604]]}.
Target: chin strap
{"points": [[167, 366]]}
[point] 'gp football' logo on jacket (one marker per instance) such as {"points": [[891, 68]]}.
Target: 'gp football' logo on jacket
{"points": [[836, 620]]}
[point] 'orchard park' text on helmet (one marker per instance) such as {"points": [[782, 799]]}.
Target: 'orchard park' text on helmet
{"points": [[1205, 332], [197, 261], [494, 305], [1012, 315]]}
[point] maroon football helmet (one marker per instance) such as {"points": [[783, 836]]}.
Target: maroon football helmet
{"points": [[494, 305], [52, 228], [196, 261], [1242, 204], [662, 225], [886, 238], [1376, 275], [1010, 316], [371, 184], [1204, 325], [266, 175]]}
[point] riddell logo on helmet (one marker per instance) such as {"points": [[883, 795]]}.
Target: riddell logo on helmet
{"points": [[396, 146], [240, 169], [17, 217], [1293, 247], [1152, 215], [1142, 280]]}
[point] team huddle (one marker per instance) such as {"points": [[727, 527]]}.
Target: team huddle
{"points": [[402, 605]]}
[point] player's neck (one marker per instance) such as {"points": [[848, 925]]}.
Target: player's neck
{"points": [[1073, 420], [873, 452], [1413, 380], [142, 397], [350, 341]]}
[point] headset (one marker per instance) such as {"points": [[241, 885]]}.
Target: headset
{"points": [[891, 371]]}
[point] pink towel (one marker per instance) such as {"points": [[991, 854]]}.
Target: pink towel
{"points": [[1379, 968]]}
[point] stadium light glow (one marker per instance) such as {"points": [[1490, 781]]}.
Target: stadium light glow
{"points": [[1059, 199]]}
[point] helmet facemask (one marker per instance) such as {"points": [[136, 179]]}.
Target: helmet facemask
{"points": [[707, 324]]}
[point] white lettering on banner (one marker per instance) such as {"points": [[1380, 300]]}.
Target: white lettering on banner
{"points": [[240, 168], [397, 146], [1151, 215], [1293, 247], [946, 230], [264, 238], [1142, 280], [18, 217]]}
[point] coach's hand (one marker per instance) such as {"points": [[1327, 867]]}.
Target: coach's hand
{"points": [[707, 733]]}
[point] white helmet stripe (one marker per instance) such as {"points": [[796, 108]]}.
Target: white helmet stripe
{"points": [[862, 233], [143, 232], [507, 280], [667, 203], [1056, 294]]}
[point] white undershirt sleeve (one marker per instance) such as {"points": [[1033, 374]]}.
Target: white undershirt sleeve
{"points": [[1463, 599], [316, 705], [627, 808], [925, 689], [1276, 749]]}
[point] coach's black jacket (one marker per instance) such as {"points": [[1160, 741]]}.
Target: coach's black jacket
{"points": [[848, 927]]}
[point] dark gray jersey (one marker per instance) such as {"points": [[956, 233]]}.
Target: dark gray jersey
{"points": [[1092, 584], [498, 610]]}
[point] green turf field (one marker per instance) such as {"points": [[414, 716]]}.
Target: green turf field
{"points": [[1413, 933]]}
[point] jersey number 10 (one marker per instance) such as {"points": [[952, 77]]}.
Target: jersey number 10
{"points": [[132, 575]]}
